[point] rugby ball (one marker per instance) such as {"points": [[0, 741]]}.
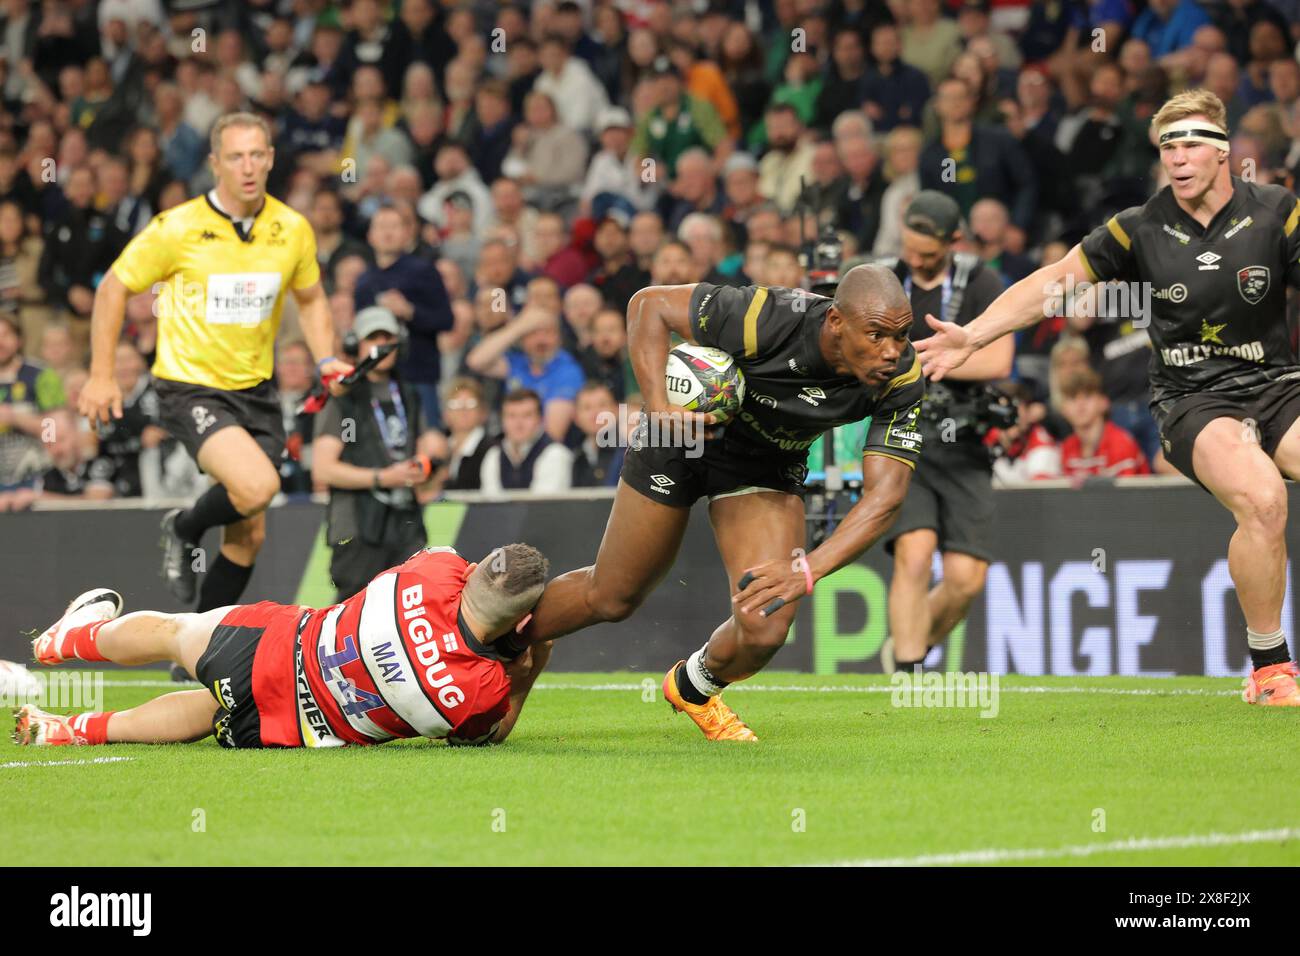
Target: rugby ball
{"points": [[703, 379]]}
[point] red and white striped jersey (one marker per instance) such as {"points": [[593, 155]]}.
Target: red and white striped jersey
{"points": [[396, 660], [1117, 455]]}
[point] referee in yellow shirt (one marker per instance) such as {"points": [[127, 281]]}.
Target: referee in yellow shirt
{"points": [[220, 265]]}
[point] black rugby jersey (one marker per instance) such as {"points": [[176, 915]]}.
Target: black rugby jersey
{"points": [[1217, 294], [979, 287], [791, 395]]}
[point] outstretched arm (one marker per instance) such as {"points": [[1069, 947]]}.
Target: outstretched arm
{"points": [[885, 481], [991, 362], [1019, 307]]}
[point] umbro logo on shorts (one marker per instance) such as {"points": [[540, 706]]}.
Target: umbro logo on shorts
{"points": [[662, 483]]}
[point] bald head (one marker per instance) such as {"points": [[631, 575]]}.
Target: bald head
{"points": [[865, 332], [868, 290]]}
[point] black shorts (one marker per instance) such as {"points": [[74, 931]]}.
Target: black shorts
{"points": [[1273, 408], [194, 413], [227, 667], [669, 476], [953, 498]]}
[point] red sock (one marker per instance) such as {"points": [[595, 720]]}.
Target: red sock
{"points": [[92, 728], [82, 643]]}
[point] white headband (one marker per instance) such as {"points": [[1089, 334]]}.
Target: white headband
{"points": [[1195, 131]]}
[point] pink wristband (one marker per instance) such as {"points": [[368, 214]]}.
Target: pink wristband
{"points": [[801, 564]]}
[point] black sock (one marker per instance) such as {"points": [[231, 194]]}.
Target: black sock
{"points": [[909, 666], [212, 509], [1271, 655], [223, 584], [690, 693]]}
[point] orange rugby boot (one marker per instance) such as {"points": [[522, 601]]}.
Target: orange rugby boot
{"points": [[1272, 686], [715, 719]]}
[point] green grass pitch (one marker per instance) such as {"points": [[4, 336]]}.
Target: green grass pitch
{"points": [[597, 774]]}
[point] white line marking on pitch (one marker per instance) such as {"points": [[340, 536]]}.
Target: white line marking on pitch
{"points": [[60, 763], [1082, 850], [887, 689]]}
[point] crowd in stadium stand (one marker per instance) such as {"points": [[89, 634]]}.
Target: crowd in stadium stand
{"points": [[503, 177]]}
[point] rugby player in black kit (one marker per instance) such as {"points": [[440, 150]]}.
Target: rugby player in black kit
{"points": [[810, 364], [1216, 254]]}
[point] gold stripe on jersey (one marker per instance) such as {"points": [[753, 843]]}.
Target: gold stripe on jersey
{"points": [[1292, 220], [219, 296], [751, 321], [1118, 232], [885, 454], [906, 378]]}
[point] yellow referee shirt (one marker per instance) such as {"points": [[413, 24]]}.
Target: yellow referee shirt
{"points": [[220, 293]]}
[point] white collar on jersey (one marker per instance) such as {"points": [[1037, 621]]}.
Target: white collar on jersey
{"points": [[243, 224]]}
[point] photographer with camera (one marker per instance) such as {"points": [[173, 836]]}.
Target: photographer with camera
{"points": [[949, 506], [381, 465]]}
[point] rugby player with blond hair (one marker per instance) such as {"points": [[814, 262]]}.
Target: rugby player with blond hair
{"points": [[1216, 253]]}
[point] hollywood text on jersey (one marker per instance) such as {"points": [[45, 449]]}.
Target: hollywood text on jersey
{"points": [[1182, 355]]}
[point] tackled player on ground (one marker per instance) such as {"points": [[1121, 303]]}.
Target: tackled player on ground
{"points": [[414, 654]]}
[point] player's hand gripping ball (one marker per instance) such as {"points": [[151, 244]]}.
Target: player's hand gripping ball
{"points": [[702, 379]]}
